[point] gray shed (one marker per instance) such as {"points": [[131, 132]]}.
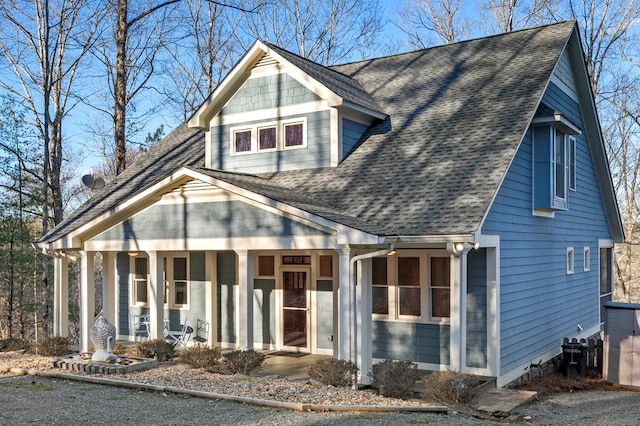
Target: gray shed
{"points": [[622, 343]]}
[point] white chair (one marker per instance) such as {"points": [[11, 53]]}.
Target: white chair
{"points": [[141, 325], [180, 337]]}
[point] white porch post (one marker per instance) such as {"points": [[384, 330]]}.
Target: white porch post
{"points": [[211, 295], [155, 296], [344, 304], [245, 299], [458, 312], [87, 298], [61, 296], [364, 322], [109, 287]]}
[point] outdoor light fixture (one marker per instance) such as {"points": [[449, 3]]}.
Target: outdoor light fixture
{"points": [[133, 253], [458, 248]]}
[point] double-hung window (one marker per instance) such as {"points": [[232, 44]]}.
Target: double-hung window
{"points": [[139, 281], [411, 286]]}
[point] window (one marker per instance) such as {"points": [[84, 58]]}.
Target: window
{"points": [[140, 272], [570, 260], [266, 266], [440, 287], [293, 135], [242, 141], [586, 259], [560, 156], [606, 278], [411, 286], [267, 138], [325, 266], [271, 136], [180, 281], [572, 163]]}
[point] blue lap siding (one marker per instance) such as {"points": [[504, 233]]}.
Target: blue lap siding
{"points": [[539, 302]]}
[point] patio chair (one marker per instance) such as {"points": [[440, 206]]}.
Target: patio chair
{"points": [[141, 325], [180, 337], [202, 332]]}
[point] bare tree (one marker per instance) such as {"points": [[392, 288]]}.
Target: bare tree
{"points": [[505, 16], [44, 42], [427, 22], [326, 33]]}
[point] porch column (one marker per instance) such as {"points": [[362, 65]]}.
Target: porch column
{"points": [[109, 287], [211, 295], [155, 296], [364, 322], [245, 299], [87, 298], [61, 296], [458, 312], [344, 304]]}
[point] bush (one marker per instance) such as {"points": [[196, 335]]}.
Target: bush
{"points": [[158, 348], [450, 387], [334, 372], [119, 349], [54, 346], [201, 356], [395, 379], [243, 362], [9, 345]]}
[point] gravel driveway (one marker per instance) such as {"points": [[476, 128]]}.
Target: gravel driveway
{"points": [[27, 400]]}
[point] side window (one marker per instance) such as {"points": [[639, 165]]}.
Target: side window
{"points": [[140, 273], [570, 260], [440, 287], [379, 280], [180, 281]]}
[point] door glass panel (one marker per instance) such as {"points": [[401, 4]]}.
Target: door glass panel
{"points": [[294, 308]]}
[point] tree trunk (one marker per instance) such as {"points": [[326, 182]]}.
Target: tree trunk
{"points": [[120, 89]]}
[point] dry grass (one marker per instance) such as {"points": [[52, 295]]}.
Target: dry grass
{"points": [[559, 383]]}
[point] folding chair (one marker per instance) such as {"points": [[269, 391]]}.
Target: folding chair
{"points": [[180, 337], [141, 325], [202, 331]]}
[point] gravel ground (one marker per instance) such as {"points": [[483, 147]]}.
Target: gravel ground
{"points": [[28, 399]]}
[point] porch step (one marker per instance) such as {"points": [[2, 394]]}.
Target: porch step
{"points": [[503, 400]]}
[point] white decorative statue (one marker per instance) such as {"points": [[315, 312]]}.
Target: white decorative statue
{"points": [[103, 337]]}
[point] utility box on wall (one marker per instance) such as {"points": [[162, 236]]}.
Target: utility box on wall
{"points": [[622, 343]]}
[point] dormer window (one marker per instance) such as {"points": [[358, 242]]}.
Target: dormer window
{"points": [[284, 135]]}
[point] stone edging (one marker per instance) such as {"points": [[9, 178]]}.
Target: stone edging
{"points": [[293, 406]]}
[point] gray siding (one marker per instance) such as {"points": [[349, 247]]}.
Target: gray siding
{"points": [[227, 296], [539, 302], [264, 311], [225, 219], [428, 343], [351, 132], [271, 91], [477, 309], [316, 154], [324, 309]]}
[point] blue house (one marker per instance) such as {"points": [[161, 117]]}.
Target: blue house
{"points": [[451, 206]]}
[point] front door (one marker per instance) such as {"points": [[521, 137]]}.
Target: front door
{"points": [[295, 309]]}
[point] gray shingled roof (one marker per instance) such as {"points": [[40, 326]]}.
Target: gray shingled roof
{"points": [[457, 114], [344, 86]]}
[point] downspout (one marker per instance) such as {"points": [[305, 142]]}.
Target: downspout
{"points": [[353, 278]]}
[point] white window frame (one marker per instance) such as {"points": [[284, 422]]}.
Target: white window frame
{"points": [[135, 282], [570, 260], [393, 288], [430, 287], [565, 169], [586, 259], [170, 282], [572, 163], [280, 135]]}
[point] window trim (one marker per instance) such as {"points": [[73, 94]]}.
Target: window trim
{"points": [[133, 287], [570, 260], [586, 259], [169, 272], [242, 129], [554, 157], [292, 122], [572, 162]]}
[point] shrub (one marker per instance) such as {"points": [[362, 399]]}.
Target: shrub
{"points": [[201, 356], [157, 348], [243, 362], [54, 346], [119, 349], [9, 345], [334, 372], [450, 387], [395, 379]]}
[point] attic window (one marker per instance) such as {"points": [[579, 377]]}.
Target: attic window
{"points": [[269, 136]]}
